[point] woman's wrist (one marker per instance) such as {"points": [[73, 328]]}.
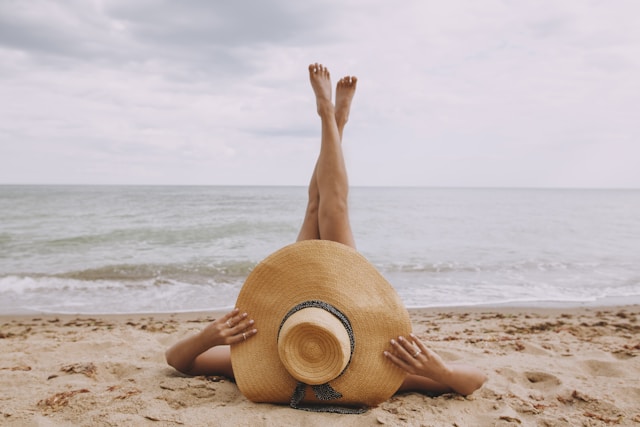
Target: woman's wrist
{"points": [[445, 375], [204, 340]]}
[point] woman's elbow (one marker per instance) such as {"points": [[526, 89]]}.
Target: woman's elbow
{"points": [[474, 384], [173, 361]]}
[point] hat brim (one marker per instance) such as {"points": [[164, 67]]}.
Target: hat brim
{"points": [[339, 275]]}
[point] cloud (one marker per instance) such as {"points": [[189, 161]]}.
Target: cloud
{"points": [[458, 93]]}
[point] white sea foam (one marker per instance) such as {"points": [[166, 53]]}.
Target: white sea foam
{"points": [[46, 294]]}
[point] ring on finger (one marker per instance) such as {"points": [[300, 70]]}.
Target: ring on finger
{"points": [[229, 324], [244, 336], [417, 353]]}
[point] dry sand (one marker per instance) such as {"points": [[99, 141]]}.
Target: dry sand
{"points": [[547, 367]]}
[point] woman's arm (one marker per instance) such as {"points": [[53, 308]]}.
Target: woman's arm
{"points": [[197, 355], [429, 373]]}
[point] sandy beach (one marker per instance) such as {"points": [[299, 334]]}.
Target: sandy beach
{"points": [[546, 367]]}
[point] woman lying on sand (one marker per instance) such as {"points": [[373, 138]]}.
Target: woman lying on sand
{"points": [[327, 218]]}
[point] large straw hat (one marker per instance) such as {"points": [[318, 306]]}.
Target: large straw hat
{"points": [[324, 316]]}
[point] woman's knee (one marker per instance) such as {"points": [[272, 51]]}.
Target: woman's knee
{"points": [[313, 206], [333, 214]]}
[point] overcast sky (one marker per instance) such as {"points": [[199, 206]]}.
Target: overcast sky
{"points": [[477, 93]]}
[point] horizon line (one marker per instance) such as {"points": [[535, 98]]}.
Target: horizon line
{"points": [[435, 187]]}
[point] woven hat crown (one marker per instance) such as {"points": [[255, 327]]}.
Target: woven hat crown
{"points": [[314, 346]]}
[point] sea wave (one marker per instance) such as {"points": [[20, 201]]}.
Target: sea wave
{"points": [[65, 295], [474, 267], [192, 273], [58, 294]]}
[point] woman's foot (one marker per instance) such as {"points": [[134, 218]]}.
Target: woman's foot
{"points": [[321, 84], [345, 89]]}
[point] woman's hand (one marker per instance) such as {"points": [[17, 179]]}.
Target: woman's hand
{"points": [[197, 355], [429, 372], [229, 329], [415, 358]]}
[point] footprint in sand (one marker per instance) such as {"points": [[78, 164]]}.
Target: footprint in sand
{"points": [[542, 380], [533, 349], [603, 369]]}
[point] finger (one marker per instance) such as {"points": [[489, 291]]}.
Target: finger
{"points": [[408, 346], [236, 320], [241, 325], [401, 351], [419, 343], [426, 351], [243, 336], [229, 315]]}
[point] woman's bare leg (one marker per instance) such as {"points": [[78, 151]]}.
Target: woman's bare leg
{"points": [[345, 89], [327, 213], [309, 229]]}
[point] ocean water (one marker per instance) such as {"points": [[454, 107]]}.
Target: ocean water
{"points": [[130, 249]]}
